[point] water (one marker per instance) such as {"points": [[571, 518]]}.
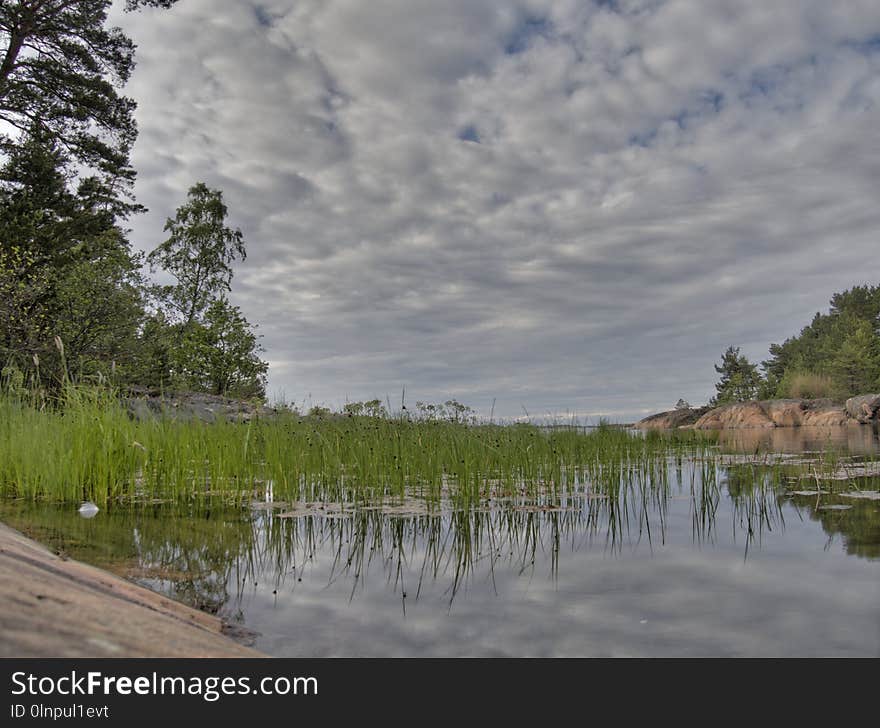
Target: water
{"points": [[731, 562], [855, 440]]}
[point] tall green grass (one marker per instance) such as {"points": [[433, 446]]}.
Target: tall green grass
{"points": [[90, 448]]}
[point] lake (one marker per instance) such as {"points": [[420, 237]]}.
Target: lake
{"points": [[732, 558]]}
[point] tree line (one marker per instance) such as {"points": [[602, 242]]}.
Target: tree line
{"points": [[76, 302], [837, 355]]}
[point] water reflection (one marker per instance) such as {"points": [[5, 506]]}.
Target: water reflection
{"points": [[839, 515], [853, 439], [579, 574]]}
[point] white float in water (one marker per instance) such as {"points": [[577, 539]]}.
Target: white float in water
{"points": [[88, 510]]}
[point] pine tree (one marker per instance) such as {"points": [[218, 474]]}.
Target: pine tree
{"points": [[856, 368], [739, 381], [66, 268], [60, 67]]}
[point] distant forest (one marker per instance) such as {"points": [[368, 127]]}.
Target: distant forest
{"points": [[837, 355]]}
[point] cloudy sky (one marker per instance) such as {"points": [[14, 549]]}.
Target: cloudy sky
{"points": [[566, 207]]}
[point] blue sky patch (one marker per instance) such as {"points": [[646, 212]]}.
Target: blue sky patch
{"points": [[525, 33], [263, 18], [469, 133]]}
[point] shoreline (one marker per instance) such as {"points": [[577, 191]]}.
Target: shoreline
{"points": [[769, 414], [59, 607]]}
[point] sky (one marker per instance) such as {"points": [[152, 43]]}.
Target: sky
{"points": [[554, 207]]}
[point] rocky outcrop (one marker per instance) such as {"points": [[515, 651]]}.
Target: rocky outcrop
{"points": [[741, 414], [774, 413], [673, 418], [805, 412], [143, 404], [827, 416], [771, 413], [865, 408], [58, 607], [784, 412]]}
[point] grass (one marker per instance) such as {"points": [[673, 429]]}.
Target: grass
{"points": [[89, 448], [808, 385]]}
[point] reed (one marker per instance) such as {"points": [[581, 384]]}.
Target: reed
{"points": [[89, 448]]}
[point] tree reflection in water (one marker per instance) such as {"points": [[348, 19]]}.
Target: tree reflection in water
{"points": [[209, 557]]}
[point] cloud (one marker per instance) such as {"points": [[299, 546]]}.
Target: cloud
{"points": [[564, 206], [581, 592]]}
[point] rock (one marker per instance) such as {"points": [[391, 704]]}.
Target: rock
{"points": [[865, 408], [784, 412], [829, 418], [145, 404], [771, 413], [775, 413], [672, 419], [57, 607], [88, 510], [805, 412], [739, 414]]}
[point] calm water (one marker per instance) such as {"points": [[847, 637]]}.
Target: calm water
{"points": [[855, 440], [739, 566]]}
